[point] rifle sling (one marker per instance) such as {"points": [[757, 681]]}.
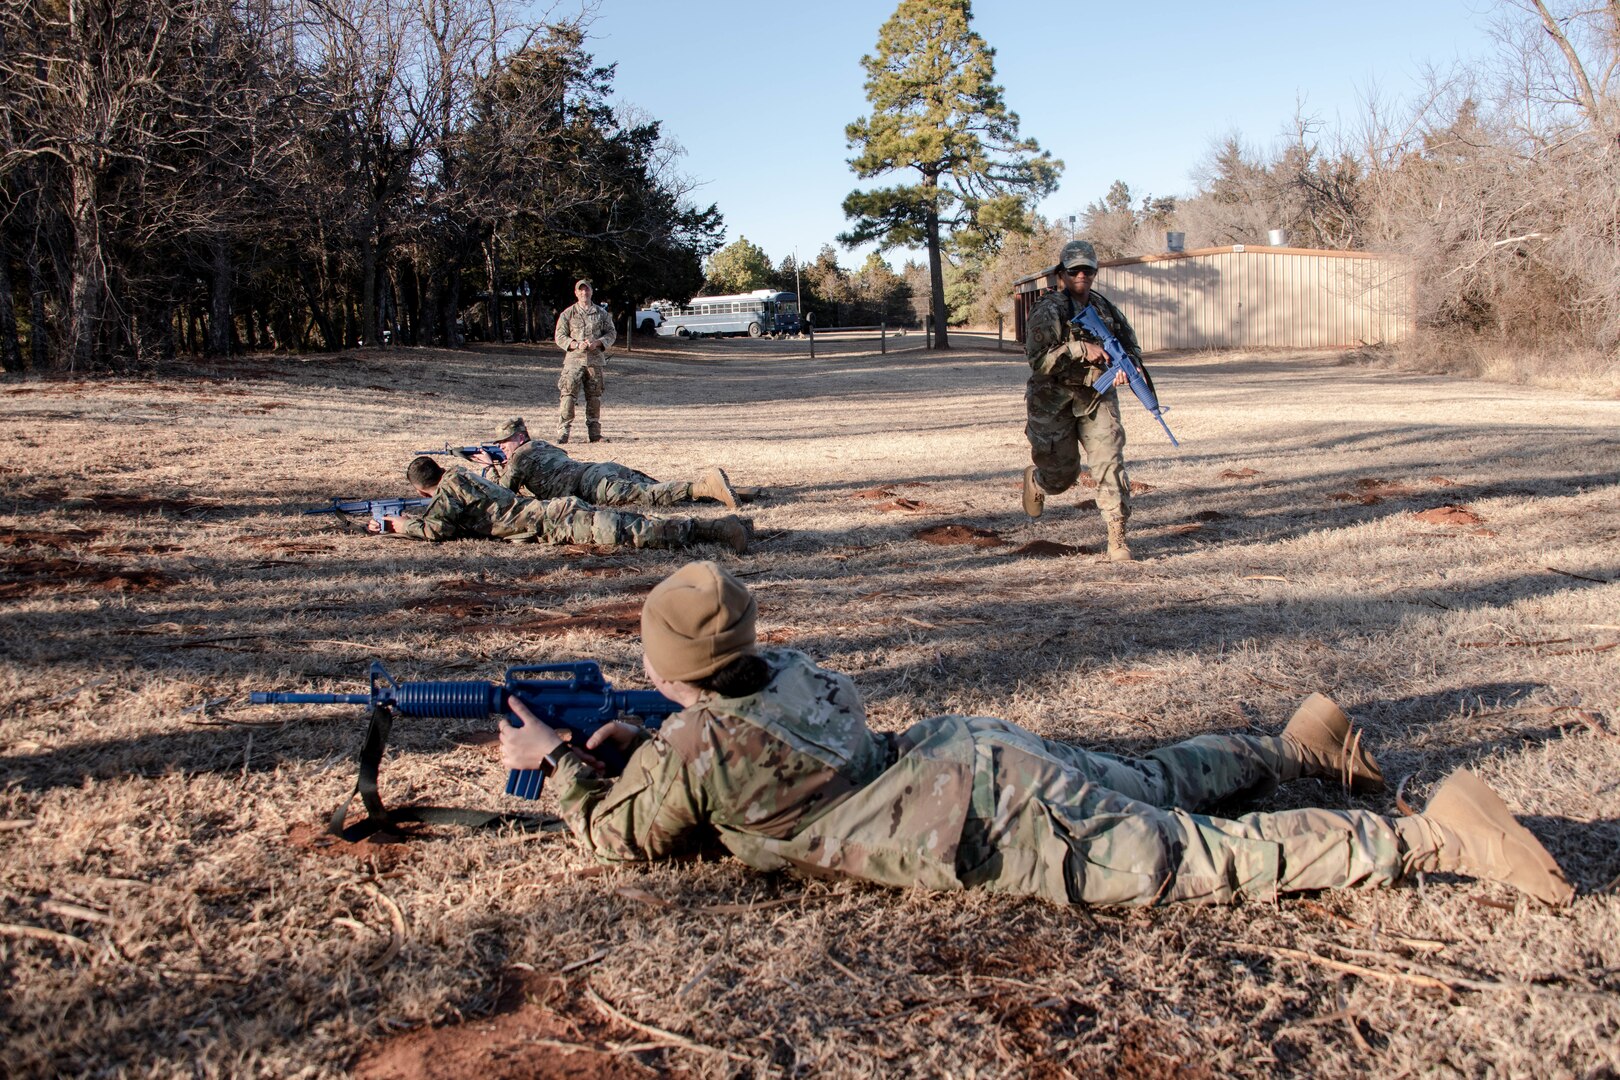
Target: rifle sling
{"points": [[379, 818]]}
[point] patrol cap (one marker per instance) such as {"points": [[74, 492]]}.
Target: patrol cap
{"points": [[1075, 254], [511, 428], [696, 621], [585, 281]]}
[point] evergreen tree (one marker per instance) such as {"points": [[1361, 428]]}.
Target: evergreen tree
{"points": [[937, 110], [741, 266]]}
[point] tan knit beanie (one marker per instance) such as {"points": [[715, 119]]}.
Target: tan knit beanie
{"points": [[696, 621]]}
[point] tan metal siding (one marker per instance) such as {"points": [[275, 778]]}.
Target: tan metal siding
{"points": [[1251, 298]]}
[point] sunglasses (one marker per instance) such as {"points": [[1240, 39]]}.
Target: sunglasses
{"points": [[1076, 271]]}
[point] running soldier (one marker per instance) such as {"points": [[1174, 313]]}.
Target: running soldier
{"points": [[1065, 413]]}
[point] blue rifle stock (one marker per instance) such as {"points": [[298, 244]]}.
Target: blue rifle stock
{"points": [[496, 454], [570, 696], [377, 508], [1089, 321]]}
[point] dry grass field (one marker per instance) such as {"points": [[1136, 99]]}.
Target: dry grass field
{"points": [[1440, 555]]}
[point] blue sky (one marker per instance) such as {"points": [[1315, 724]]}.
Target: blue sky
{"points": [[759, 93]]}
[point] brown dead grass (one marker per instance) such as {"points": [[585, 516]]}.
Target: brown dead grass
{"points": [[171, 905]]}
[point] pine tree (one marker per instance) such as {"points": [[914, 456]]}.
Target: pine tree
{"points": [[937, 110]]}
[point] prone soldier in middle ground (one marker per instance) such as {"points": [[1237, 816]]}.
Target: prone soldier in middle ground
{"points": [[547, 472], [467, 506], [1065, 413]]}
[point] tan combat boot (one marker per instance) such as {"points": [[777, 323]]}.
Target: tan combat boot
{"points": [[1467, 829], [1034, 497], [1328, 746], [714, 484], [731, 530], [1118, 550]]}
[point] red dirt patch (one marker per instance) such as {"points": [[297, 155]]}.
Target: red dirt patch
{"points": [[385, 850], [620, 619], [1449, 515], [518, 1041], [875, 493], [40, 538], [35, 577], [1047, 549], [1237, 474], [948, 535], [137, 549], [908, 506]]}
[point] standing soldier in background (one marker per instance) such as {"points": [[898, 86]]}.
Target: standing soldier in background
{"points": [[584, 333], [1065, 412]]}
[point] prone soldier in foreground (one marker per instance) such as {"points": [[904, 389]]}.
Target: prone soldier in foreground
{"points": [[771, 755], [468, 506], [547, 472]]}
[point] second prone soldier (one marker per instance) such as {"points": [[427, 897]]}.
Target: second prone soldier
{"points": [[466, 506], [537, 468]]}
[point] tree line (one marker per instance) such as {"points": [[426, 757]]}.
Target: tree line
{"points": [[209, 176], [1499, 185]]}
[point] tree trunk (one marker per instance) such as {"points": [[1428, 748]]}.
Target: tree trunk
{"points": [[88, 293], [936, 282], [219, 300], [370, 323], [10, 349], [39, 354], [312, 294]]}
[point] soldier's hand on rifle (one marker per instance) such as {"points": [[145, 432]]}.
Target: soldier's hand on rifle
{"points": [[1120, 378], [527, 746], [1096, 354], [481, 457], [388, 524], [621, 734]]}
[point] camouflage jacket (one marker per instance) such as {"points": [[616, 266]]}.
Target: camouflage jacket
{"points": [[1050, 329], [585, 323], [541, 470], [790, 777], [470, 506]]}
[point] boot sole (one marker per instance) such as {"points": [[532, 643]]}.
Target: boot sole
{"points": [[1034, 497], [1463, 802]]}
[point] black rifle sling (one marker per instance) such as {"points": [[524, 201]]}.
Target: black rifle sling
{"points": [[379, 818]]}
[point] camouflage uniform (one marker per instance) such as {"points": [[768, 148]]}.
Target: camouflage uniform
{"points": [[1065, 414], [547, 472], [470, 506], [792, 778], [581, 367]]}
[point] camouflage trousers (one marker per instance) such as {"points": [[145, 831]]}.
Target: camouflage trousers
{"points": [[612, 484], [605, 483], [574, 521], [1052, 820], [1060, 422], [577, 375]]}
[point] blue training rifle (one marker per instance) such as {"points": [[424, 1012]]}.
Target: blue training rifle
{"points": [[1089, 321], [570, 696], [377, 508], [496, 454]]}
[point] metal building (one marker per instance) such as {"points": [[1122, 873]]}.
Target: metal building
{"points": [[1246, 296]]}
